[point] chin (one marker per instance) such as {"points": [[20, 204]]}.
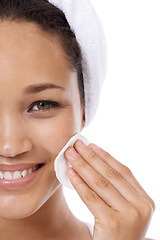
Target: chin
{"points": [[15, 214], [12, 207], [12, 212], [21, 207]]}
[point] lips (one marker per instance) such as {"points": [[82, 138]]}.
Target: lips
{"points": [[21, 181], [17, 167]]}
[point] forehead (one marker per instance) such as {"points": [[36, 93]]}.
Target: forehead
{"points": [[28, 53]]}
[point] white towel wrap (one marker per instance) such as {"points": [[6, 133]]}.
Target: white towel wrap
{"points": [[90, 35]]}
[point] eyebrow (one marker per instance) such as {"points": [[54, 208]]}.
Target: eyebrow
{"points": [[41, 87]]}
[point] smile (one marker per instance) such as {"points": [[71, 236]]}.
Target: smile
{"points": [[8, 175], [15, 179]]}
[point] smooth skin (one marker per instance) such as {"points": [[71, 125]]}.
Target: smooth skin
{"points": [[31, 134]]}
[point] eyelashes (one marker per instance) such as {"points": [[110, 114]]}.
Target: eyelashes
{"points": [[41, 106]]}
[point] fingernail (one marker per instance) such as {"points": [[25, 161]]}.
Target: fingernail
{"points": [[73, 153], [81, 144]]}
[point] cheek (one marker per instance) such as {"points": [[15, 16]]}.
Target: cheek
{"points": [[53, 133]]}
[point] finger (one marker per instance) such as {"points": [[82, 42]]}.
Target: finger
{"points": [[88, 156], [123, 170], [95, 204], [105, 190]]}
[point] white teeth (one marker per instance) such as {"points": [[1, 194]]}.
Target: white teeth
{"points": [[16, 175], [30, 171], [7, 176], [24, 173], [1, 175]]}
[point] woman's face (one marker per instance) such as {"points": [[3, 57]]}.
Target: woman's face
{"points": [[33, 132]]}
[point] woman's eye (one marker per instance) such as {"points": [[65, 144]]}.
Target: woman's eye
{"points": [[43, 105]]}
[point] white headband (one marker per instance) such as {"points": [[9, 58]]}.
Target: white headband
{"points": [[89, 33]]}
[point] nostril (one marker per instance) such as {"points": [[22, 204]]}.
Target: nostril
{"points": [[12, 146]]}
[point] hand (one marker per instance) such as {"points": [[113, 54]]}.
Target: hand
{"points": [[122, 210]]}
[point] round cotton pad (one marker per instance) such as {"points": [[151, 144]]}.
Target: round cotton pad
{"points": [[61, 164]]}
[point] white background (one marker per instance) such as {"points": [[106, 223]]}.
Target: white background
{"points": [[127, 124]]}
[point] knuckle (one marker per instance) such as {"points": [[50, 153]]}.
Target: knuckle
{"points": [[82, 164], [134, 215], [107, 156], [91, 196], [112, 172], [147, 209], [78, 185], [126, 170], [153, 205], [91, 156], [102, 182]]}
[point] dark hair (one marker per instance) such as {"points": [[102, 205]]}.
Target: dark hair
{"points": [[51, 20]]}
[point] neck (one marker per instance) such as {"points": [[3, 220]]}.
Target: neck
{"points": [[53, 220]]}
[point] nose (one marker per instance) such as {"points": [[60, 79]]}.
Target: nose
{"points": [[13, 138]]}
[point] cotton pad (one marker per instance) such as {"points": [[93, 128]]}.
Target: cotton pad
{"points": [[61, 164]]}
